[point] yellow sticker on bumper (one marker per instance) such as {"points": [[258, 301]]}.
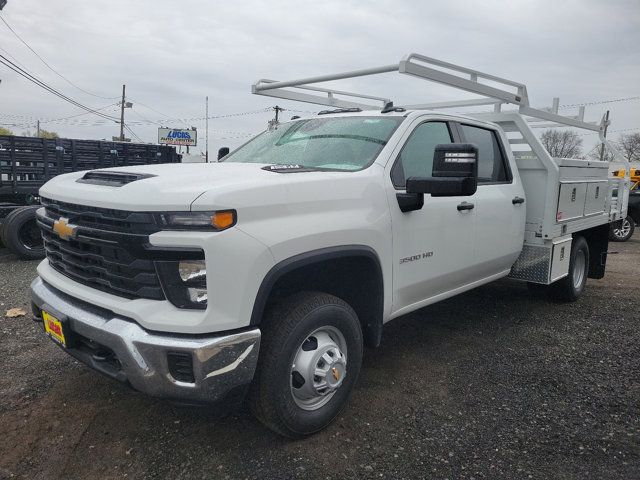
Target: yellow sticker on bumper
{"points": [[53, 327]]}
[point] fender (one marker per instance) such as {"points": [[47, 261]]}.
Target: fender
{"points": [[372, 325]]}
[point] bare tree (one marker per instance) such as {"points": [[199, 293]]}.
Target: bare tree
{"points": [[562, 144], [629, 146], [596, 154]]}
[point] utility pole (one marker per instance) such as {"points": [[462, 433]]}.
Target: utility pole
{"points": [[606, 126], [206, 155], [38, 129], [122, 115], [278, 110]]}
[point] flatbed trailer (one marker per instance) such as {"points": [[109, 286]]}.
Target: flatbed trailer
{"points": [[27, 163]]}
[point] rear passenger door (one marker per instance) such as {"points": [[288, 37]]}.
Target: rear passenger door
{"points": [[500, 211]]}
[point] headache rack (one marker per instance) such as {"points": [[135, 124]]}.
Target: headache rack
{"points": [[564, 196]]}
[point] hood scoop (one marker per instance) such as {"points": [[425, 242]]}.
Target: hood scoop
{"points": [[112, 179]]}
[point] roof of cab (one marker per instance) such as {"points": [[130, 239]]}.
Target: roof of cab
{"points": [[409, 113]]}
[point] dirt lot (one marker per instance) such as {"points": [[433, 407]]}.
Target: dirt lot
{"points": [[491, 384]]}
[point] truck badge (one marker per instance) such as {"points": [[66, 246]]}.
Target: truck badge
{"points": [[336, 373], [64, 229]]}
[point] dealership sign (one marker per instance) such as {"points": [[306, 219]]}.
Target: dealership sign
{"points": [[178, 136]]}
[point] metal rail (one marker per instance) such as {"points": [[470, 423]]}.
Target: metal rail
{"points": [[430, 69]]}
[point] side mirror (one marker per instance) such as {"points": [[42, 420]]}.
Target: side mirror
{"points": [[223, 152], [454, 173]]}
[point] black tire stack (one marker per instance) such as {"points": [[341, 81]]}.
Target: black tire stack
{"points": [[20, 233]]}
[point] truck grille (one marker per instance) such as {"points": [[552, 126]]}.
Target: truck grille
{"points": [[107, 251], [101, 218]]}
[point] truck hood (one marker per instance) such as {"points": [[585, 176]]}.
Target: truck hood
{"points": [[164, 187]]}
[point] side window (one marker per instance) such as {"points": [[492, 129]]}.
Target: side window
{"points": [[491, 162], [416, 157]]}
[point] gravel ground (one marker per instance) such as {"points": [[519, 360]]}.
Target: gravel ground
{"points": [[490, 384]]}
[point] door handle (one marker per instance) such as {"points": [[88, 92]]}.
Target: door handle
{"points": [[517, 200], [465, 206]]}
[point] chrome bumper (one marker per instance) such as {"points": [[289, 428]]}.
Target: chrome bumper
{"points": [[222, 365]]}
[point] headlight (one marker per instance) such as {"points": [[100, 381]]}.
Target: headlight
{"points": [[184, 282], [217, 221]]}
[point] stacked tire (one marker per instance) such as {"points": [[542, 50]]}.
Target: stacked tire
{"points": [[21, 235]]}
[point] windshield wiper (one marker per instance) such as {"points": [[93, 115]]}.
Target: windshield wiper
{"points": [[295, 167]]}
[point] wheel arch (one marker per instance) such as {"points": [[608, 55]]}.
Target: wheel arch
{"points": [[351, 272]]}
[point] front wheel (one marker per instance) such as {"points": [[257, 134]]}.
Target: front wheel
{"points": [[310, 357], [621, 231]]}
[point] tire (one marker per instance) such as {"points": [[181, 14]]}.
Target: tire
{"points": [[21, 235], [623, 230], [300, 330]]}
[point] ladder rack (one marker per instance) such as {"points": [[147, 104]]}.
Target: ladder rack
{"points": [[430, 69]]}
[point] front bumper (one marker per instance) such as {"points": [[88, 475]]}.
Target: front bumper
{"points": [[222, 365]]}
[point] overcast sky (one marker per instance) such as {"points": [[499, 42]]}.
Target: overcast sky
{"points": [[172, 54]]}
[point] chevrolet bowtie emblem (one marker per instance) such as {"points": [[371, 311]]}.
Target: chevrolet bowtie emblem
{"points": [[336, 373], [64, 230]]}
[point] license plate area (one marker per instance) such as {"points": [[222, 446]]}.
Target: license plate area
{"points": [[54, 327]]}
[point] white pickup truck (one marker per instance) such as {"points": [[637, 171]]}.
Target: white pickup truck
{"points": [[266, 273]]}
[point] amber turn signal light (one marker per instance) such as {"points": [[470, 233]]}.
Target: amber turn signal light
{"points": [[223, 219]]}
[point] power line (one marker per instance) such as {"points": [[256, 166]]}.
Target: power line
{"points": [[144, 118], [12, 57], [133, 133], [150, 108], [76, 115], [22, 72], [601, 102], [49, 66], [613, 131], [31, 120]]}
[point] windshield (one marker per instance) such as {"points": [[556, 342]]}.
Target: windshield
{"points": [[346, 143]]}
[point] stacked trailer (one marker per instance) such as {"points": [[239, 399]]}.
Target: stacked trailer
{"points": [[27, 163], [563, 195]]}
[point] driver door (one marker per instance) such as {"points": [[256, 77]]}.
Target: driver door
{"points": [[432, 246]]}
